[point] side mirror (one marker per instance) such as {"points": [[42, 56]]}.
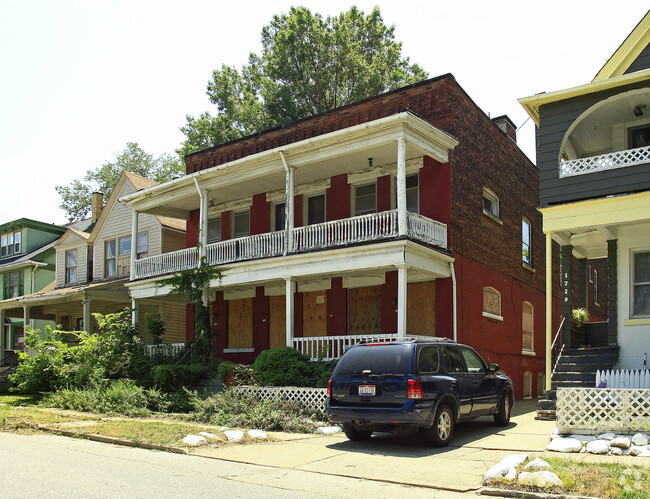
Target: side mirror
{"points": [[494, 368]]}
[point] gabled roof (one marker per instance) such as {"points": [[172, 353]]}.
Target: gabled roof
{"points": [[140, 183], [69, 234], [627, 53], [28, 258], [611, 75]]}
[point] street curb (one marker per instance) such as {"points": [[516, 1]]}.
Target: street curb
{"points": [[112, 440], [488, 491]]}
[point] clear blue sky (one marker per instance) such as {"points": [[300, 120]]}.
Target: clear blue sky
{"points": [[80, 79]]}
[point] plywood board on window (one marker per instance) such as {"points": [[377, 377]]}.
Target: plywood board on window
{"points": [[277, 322], [421, 308], [240, 323], [365, 310], [315, 313]]}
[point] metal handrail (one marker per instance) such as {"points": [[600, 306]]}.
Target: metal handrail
{"points": [[559, 330], [559, 355]]}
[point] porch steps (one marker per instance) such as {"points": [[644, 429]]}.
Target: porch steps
{"points": [[576, 369]]}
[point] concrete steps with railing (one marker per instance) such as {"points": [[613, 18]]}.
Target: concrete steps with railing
{"points": [[576, 368]]}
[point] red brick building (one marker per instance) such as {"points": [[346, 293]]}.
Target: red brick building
{"points": [[409, 213]]}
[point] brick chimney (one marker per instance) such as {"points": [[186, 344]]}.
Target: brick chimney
{"points": [[96, 206], [506, 126]]}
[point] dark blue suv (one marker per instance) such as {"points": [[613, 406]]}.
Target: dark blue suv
{"points": [[425, 385]]}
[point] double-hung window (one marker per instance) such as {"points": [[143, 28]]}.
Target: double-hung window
{"points": [[10, 244], [641, 284], [110, 265], [14, 284], [526, 255], [365, 199], [71, 266]]}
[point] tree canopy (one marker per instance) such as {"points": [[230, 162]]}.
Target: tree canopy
{"points": [[76, 198], [308, 65]]}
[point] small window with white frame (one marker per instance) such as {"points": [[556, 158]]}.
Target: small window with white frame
{"points": [[638, 136], [490, 203], [71, 266], [641, 284], [365, 199], [241, 224], [315, 209], [412, 193], [279, 216], [214, 230]]}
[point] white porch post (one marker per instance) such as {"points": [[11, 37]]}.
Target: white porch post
{"points": [[203, 224], [26, 319], [289, 308], [86, 313], [3, 335], [134, 243], [134, 312], [288, 205], [401, 298], [401, 186], [549, 309]]}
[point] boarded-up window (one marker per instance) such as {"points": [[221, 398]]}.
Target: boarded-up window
{"points": [[421, 309], [491, 301], [240, 323], [528, 385], [315, 313], [277, 322], [527, 327], [541, 385], [365, 310]]}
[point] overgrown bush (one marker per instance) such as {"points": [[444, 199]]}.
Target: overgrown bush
{"points": [[284, 366], [248, 412], [155, 326], [114, 352], [233, 374], [122, 397], [171, 377]]}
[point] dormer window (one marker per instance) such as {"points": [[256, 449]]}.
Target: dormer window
{"points": [[10, 244]]}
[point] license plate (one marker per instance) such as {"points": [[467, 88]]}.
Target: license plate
{"points": [[366, 390]]}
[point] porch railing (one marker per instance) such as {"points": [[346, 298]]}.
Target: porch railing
{"points": [[166, 349], [624, 378], [332, 347], [167, 262], [371, 227], [617, 159]]}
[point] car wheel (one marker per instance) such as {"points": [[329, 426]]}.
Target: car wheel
{"points": [[356, 435], [439, 435], [502, 418]]}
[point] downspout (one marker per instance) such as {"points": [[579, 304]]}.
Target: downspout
{"points": [[454, 312]]}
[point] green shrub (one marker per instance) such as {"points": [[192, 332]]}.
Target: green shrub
{"points": [[173, 376], [115, 397], [284, 366], [237, 374], [114, 352], [155, 326]]}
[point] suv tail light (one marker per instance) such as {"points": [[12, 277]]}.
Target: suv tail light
{"points": [[329, 388], [414, 389]]}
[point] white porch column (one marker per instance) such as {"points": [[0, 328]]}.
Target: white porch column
{"points": [[26, 321], [289, 211], [3, 336], [134, 243], [86, 312], [289, 308], [134, 312], [401, 186], [401, 298], [549, 309], [203, 224]]}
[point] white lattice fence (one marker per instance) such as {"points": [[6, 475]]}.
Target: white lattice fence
{"points": [[599, 410], [312, 399]]}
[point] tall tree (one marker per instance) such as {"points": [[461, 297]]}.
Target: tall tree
{"points": [[76, 198], [308, 65]]}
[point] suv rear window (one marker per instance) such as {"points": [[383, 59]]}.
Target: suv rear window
{"points": [[378, 359]]}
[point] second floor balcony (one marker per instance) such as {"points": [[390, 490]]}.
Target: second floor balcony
{"points": [[608, 161], [350, 231]]}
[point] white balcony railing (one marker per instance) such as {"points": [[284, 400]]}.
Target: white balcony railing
{"points": [[332, 347], [609, 161], [372, 227], [167, 262]]}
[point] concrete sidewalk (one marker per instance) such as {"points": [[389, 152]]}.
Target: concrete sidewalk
{"points": [[475, 447], [407, 460]]}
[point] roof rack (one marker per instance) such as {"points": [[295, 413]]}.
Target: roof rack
{"points": [[411, 339]]}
